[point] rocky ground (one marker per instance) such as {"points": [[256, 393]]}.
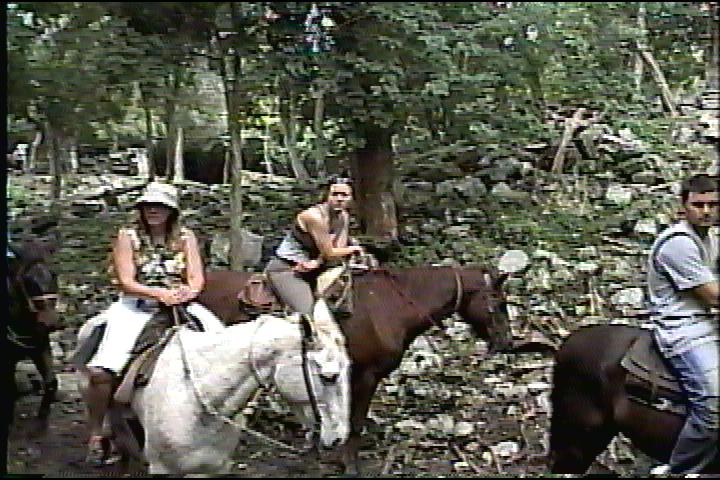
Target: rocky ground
{"points": [[450, 409]]}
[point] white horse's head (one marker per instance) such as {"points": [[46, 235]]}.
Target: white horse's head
{"points": [[329, 378], [329, 370]]}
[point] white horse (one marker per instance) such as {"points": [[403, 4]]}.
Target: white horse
{"points": [[191, 409]]}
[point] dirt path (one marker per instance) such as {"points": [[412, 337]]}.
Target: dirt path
{"points": [[462, 414]]}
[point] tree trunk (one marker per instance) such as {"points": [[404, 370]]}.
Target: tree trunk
{"points": [[236, 248], [178, 170], [647, 56], [571, 124], [266, 151], [288, 127], [55, 162], [149, 162], [226, 166], [143, 162], [639, 64], [173, 83], [667, 97], [74, 163], [32, 157], [319, 95], [712, 67], [373, 171]]}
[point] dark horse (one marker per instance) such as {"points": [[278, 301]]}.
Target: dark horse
{"points": [[391, 308], [33, 295], [590, 404]]}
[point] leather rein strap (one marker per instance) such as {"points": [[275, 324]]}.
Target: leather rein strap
{"points": [[410, 301], [209, 409], [18, 279], [306, 333]]}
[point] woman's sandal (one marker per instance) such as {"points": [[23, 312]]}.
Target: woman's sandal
{"points": [[97, 450]]}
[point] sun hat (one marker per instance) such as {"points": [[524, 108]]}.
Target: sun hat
{"points": [[158, 192]]}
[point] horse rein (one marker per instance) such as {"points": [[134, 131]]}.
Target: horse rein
{"points": [[12, 336], [410, 301], [209, 409], [306, 333], [18, 278]]}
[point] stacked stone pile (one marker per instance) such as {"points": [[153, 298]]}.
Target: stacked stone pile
{"points": [[585, 269]]}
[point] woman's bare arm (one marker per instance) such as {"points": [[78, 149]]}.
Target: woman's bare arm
{"points": [[195, 271], [316, 227]]}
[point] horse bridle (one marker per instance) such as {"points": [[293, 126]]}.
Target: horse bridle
{"points": [[458, 301], [226, 419], [410, 301], [306, 334], [18, 278]]}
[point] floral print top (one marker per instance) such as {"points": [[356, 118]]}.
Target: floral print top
{"points": [[158, 265]]}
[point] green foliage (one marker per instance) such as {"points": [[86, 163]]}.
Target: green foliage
{"points": [[437, 72]]}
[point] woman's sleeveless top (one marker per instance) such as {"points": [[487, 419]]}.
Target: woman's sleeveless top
{"points": [[158, 265], [300, 246]]}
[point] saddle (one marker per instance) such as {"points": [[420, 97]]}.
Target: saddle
{"points": [[140, 369], [334, 285], [152, 341], [257, 296], [649, 380]]}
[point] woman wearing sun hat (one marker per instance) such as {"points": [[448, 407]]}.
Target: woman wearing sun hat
{"points": [[156, 261]]}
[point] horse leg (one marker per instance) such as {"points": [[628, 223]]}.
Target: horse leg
{"points": [[126, 440], [44, 363], [579, 432], [12, 392], [363, 387]]}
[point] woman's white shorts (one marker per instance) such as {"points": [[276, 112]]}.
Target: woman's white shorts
{"points": [[125, 321]]}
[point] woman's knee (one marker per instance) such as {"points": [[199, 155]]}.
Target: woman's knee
{"points": [[100, 376]]}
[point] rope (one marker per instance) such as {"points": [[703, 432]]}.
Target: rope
{"points": [[213, 412]]}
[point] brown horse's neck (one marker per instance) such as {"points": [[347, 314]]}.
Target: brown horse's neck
{"points": [[425, 295]]}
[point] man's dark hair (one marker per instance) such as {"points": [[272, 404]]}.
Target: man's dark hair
{"points": [[700, 183], [339, 179]]}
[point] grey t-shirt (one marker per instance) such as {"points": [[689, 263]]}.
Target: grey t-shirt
{"points": [[679, 261]]}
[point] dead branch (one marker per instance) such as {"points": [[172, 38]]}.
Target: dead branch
{"points": [[389, 460], [571, 124], [465, 458], [667, 97]]}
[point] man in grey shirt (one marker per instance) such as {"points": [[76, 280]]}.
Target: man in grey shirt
{"points": [[683, 289]]}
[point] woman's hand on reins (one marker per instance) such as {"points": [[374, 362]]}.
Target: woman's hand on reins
{"points": [[175, 296]]}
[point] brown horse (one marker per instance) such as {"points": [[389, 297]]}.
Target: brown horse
{"points": [[590, 404], [391, 308], [33, 293]]}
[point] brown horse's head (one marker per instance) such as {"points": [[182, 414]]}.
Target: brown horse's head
{"points": [[484, 308], [33, 290]]}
